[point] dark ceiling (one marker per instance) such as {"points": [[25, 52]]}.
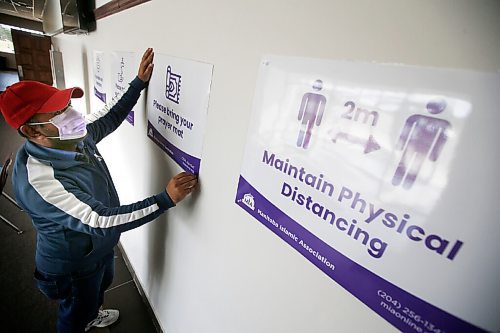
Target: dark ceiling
{"points": [[27, 9]]}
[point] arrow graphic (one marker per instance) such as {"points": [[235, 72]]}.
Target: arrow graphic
{"points": [[370, 144]]}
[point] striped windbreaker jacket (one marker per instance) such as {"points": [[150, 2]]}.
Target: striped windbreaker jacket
{"points": [[72, 200]]}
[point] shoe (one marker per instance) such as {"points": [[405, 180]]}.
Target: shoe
{"points": [[104, 318]]}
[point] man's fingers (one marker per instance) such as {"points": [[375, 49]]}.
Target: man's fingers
{"points": [[186, 181], [181, 185], [180, 175], [147, 59], [146, 66], [189, 185], [148, 71], [184, 175], [147, 53]]}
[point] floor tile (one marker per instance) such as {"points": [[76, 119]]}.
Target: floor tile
{"points": [[133, 314], [122, 274]]}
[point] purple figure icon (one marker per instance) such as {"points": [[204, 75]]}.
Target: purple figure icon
{"points": [[310, 113], [421, 136]]}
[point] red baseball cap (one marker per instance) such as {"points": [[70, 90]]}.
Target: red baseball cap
{"points": [[23, 100]]}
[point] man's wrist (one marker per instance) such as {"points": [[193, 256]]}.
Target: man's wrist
{"points": [[164, 200], [138, 83]]}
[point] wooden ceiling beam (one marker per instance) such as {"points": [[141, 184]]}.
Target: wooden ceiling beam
{"points": [[115, 6]]}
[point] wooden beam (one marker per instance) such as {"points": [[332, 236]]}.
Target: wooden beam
{"points": [[20, 22], [115, 6]]}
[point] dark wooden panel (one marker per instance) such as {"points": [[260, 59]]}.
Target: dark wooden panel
{"points": [[32, 56]]}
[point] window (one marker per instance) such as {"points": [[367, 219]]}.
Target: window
{"points": [[6, 39]]}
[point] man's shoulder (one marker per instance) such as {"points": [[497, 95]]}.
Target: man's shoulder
{"points": [[89, 141]]}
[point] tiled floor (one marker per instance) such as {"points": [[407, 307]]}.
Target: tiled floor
{"points": [[22, 307]]}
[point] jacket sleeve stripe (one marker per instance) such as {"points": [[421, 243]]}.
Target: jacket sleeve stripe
{"points": [[42, 178]]}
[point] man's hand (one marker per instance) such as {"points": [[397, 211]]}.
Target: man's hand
{"points": [[146, 65], [181, 185]]}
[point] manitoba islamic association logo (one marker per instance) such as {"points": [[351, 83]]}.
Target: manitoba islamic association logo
{"points": [[249, 201], [173, 86]]}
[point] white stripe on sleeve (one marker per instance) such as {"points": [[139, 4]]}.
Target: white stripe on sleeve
{"points": [[42, 178]]}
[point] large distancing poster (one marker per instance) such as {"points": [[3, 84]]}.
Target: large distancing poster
{"points": [[177, 106], [123, 71], [383, 176]]}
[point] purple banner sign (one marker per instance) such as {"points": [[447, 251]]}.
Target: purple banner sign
{"points": [[100, 95], [187, 162], [130, 117], [400, 308]]}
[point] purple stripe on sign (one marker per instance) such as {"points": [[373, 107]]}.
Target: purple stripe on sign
{"points": [[100, 95], [130, 117], [402, 309], [187, 162]]}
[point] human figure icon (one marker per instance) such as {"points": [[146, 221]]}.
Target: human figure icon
{"points": [[422, 137], [310, 113]]}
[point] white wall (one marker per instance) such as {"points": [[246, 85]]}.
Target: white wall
{"points": [[206, 265]]}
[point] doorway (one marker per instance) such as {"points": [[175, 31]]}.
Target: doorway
{"points": [[32, 52]]}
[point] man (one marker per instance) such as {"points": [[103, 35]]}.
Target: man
{"points": [[61, 180]]}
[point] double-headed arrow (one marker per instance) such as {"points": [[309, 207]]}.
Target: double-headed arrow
{"points": [[370, 144]]}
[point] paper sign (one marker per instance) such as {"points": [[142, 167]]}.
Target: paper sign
{"points": [[123, 71], [177, 105], [99, 87], [383, 177]]}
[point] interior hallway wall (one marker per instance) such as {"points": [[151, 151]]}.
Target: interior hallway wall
{"points": [[206, 265]]}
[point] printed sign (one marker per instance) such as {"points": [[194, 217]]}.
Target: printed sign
{"points": [[123, 71], [380, 175], [177, 106], [99, 88]]}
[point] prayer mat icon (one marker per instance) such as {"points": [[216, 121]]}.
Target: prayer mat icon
{"points": [[173, 86]]}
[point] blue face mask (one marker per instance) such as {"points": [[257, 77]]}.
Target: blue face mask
{"points": [[70, 124]]}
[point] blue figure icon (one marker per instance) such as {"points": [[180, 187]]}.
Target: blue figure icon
{"points": [[422, 136], [310, 113]]}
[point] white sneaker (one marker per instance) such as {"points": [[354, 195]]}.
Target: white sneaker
{"points": [[104, 318]]}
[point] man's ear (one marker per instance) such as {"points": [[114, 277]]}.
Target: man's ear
{"points": [[29, 132]]}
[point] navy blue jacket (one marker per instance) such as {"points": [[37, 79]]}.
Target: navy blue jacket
{"points": [[72, 199]]}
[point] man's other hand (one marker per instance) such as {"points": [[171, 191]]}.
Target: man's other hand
{"points": [[146, 65], [181, 185]]}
